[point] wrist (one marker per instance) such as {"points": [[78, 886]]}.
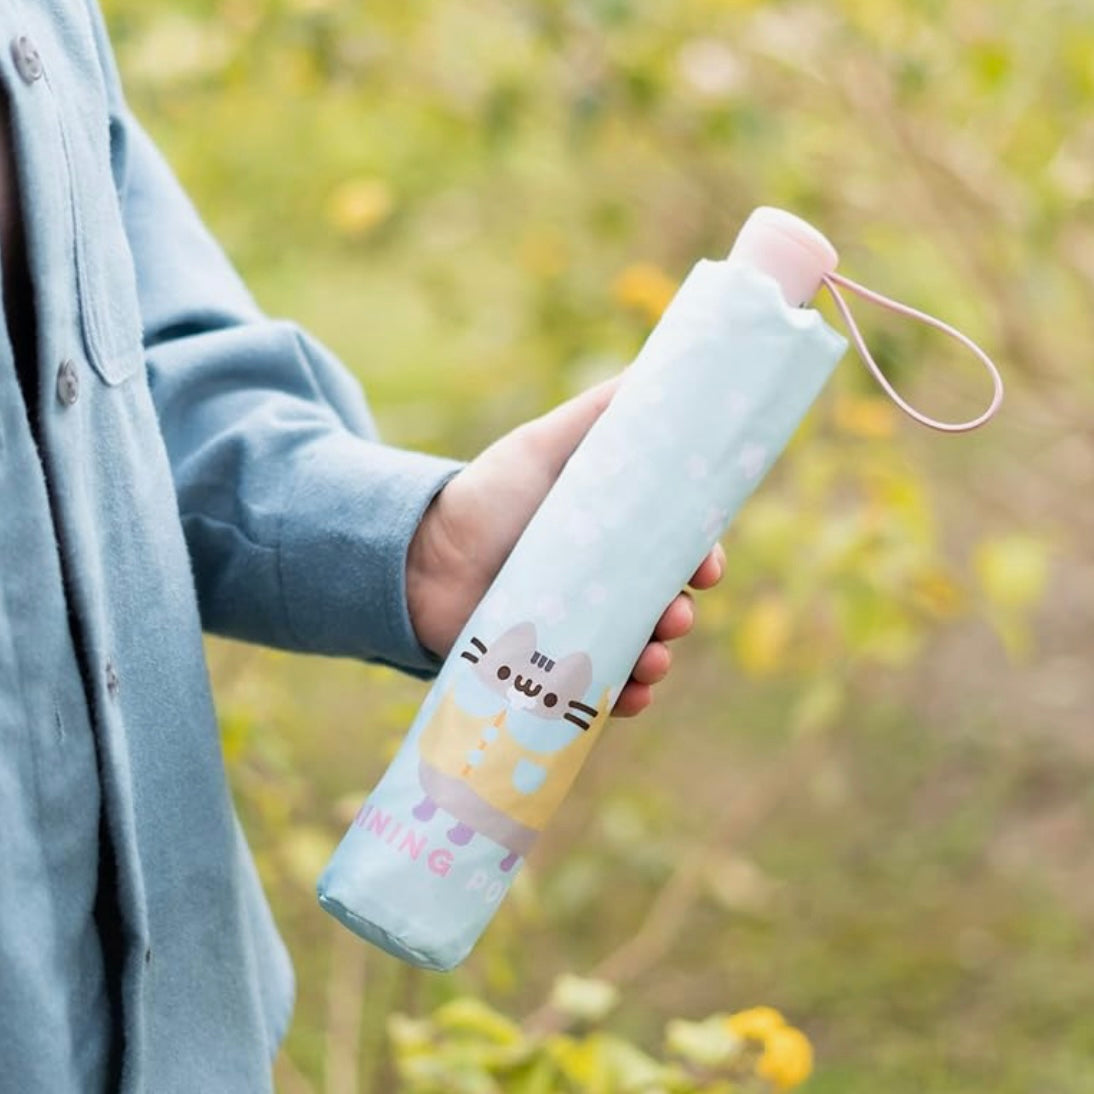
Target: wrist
{"points": [[433, 578]]}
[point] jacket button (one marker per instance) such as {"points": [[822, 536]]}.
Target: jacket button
{"points": [[68, 383], [112, 682], [28, 61]]}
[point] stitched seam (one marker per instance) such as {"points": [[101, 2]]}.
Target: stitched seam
{"points": [[281, 562], [194, 514]]}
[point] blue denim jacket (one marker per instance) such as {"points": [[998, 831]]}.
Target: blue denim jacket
{"points": [[197, 465]]}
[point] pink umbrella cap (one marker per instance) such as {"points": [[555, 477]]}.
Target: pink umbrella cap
{"points": [[793, 252]]}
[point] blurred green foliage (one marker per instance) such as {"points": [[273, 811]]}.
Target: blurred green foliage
{"points": [[864, 793], [465, 1047]]}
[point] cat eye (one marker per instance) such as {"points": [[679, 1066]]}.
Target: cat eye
{"points": [[550, 699], [504, 672]]}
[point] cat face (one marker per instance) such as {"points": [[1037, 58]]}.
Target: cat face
{"points": [[532, 682]]}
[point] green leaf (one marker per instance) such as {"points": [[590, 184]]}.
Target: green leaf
{"points": [[473, 1017], [820, 705], [305, 851], [707, 1044], [441, 1074], [584, 1000], [409, 1035], [583, 1062], [737, 883], [632, 1070], [1012, 570], [540, 1076]]}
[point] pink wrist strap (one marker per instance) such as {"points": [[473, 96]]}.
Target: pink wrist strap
{"points": [[831, 280]]}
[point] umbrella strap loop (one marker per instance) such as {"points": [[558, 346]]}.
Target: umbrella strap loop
{"points": [[832, 280]]}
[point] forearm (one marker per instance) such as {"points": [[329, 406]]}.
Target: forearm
{"points": [[297, 518]]}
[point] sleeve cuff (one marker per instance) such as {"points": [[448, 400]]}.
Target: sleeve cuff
{"points": [[354, 509]]}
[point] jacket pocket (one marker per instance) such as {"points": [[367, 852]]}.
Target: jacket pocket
{"points": [[106, 278]]}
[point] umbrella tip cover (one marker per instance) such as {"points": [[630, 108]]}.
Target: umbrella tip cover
{"points": [[792, 251]]}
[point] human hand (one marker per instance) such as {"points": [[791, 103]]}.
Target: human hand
{"points": [[473, 523]]}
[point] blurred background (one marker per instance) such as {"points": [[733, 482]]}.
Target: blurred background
{"points": [[865, 794]]}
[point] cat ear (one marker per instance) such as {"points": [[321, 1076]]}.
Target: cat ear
{"points": [[573, 675], [519, 637]]}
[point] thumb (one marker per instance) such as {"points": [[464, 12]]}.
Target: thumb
{"points": [[558, 432]]}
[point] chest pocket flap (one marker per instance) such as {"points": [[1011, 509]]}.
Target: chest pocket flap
{"points": [[106, 279]]}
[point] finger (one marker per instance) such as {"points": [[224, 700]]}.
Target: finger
{"points": [[710, 569], [676, 620], [633, 699], [653, 664], [558, 432]]}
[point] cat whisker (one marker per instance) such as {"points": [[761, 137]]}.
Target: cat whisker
{"points": [[590, 711]]}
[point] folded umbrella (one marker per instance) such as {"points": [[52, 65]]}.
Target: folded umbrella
{"points": [[711, 400]]}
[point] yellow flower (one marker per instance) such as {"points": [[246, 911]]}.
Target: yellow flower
{"points": [[760, 643], [543, 252], [359, 205], [756, 1023], [645, 288], [864, 416], [787, 1059], [933, 592]]}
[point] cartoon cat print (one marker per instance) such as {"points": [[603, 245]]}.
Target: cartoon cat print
{"points": [[506, 741]]}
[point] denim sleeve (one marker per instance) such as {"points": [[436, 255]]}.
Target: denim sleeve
{"points": [[296, 516]]}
